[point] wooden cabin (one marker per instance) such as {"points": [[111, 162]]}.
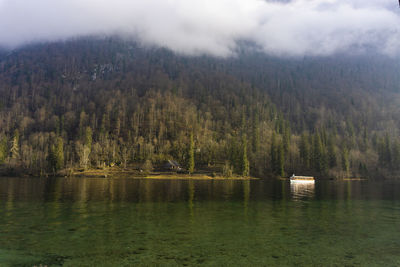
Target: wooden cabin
{"points": [[172, 165]]}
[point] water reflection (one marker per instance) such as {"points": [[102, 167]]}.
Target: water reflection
{"points": [[302, 190], [191, 198], [139, 222], [10, 198], [122, 190], [83, 191], [246, 196]]}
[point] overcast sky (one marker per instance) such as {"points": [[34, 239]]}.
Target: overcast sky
{"points": [[297, 27]]}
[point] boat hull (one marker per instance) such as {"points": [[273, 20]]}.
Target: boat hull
{"points": [[295, 181], [302, 179]]}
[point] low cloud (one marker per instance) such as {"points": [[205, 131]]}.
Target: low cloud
{"points": [[215, 27]]}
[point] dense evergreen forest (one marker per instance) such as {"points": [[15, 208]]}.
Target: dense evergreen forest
{"points": [[93, 103]]}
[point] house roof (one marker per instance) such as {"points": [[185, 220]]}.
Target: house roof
{"points": [[172, 163]]}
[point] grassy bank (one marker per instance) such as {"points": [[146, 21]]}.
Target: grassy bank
{"points": [[134, 173]]}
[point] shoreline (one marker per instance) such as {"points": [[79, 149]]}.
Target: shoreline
{"points": [[135, 174], [196, 177]]}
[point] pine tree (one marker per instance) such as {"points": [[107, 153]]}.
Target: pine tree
{"points": [[319, 155], [332, 160], [88, 137], [234, 152], [305, 151], [51, 159], [273, 153], [280, 163], [244, 161], [286, 137], [384, 151], [364, 145], [104, 127], [55, 158], [82, 123], [191, 155], [256, 134], [3, 149], [117, 127], [345, 160], [277, 154], [59, 154], [243, 121]]}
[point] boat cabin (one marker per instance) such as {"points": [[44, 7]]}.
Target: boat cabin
{"points": [[301, 178]]}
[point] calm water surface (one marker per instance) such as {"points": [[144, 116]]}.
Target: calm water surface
{"points": [[128, 222]]}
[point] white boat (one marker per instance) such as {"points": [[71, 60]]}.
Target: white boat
{"points": [[302, 179]]}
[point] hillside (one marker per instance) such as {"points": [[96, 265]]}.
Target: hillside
{"points": [[91, 103]]}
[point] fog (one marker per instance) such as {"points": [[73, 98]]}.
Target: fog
{"points": [[213, 27]]}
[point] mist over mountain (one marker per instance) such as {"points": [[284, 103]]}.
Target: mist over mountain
{"points": [[211, 27]]}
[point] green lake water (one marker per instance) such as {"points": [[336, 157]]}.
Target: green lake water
{"points": [[133, 222]]}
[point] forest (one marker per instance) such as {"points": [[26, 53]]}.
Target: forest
{"points": [[92, 103]]}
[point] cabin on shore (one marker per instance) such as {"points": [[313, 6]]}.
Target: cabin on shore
{"points": [[172, 165]]}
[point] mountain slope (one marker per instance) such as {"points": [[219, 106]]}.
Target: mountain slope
{"points": [[95, 102]]}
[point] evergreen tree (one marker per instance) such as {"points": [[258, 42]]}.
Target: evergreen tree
{"points": [[191, 155], [345, 161], [244, 161], [55, 158], [59, 154], [364, 139], [280, 161], [243, 120], [319, 155], [235, 152], [384, 151], [256, 134], [273, 153], [88, 137], [3, 149], [286, 137], [277, 156], [331, 150], [104, 127], [52, 160], [117, 127], [82, 123], [305, 151]]}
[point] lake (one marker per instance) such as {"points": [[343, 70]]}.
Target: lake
{"points": [[138, 222]]}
